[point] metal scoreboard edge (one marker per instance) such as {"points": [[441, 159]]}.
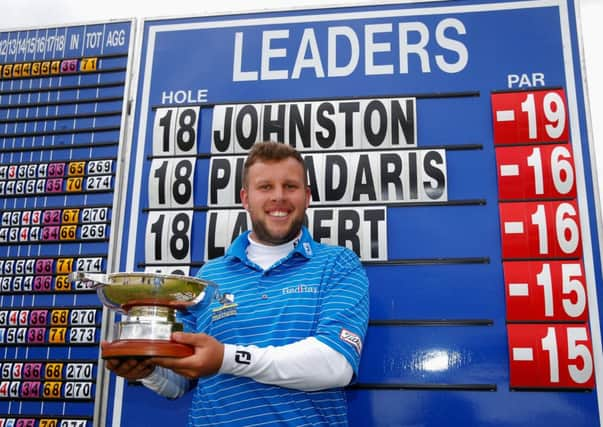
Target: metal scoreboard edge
{"points": [[104, 409], [148, 101], [595, 293]]}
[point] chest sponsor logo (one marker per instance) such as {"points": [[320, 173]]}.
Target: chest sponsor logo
{"points": [[226, 310], [300, 289]]}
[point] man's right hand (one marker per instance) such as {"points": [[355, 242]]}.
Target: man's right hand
{"points": [[129, 368]]}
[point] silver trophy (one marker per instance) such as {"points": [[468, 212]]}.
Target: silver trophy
{"points": [[149, 301]]}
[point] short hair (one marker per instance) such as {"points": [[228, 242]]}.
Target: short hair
{"points": [[270, 151]]}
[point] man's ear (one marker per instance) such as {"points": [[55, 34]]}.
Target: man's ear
{"points": [[244, 199], [308, 196]]}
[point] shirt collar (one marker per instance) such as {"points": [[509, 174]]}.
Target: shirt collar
{"points": [[304, 246]]}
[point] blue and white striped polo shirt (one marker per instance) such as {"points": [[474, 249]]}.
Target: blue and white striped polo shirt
{"points": [[317, 290]]}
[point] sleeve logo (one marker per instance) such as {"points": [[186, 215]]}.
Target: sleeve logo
{"points": [[352, 339], [243, 357]]}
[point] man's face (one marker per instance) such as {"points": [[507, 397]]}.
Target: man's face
{"points": [[276, 198]]}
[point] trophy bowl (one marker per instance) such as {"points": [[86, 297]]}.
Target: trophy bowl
{"points": [[149, 302]]}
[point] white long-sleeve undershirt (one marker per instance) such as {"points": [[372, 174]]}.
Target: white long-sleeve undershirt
{"points": [[306, 365]]}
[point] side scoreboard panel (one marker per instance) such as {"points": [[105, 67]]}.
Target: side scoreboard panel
{"points": [[62, 93], [446, 144]]}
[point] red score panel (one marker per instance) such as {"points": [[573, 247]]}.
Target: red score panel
{"points": [[545, 291], [530, 116], [540, 230], [550, 356], [535, 172]]}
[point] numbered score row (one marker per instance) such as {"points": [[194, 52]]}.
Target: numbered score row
{"points": [[47, 68], [56, 169], [47, 421], [55, 216], [550, 356], [518, 117], [547, 229], [51, 317], [47, 371], [46, 390], [49, 186], [54, 233], [47, 266], [48, 336]]}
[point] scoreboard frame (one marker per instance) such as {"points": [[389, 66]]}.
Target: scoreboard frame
{"points": [[448, 144]]}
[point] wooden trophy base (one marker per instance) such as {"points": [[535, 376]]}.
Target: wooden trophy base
{"points": [[145, 348]]}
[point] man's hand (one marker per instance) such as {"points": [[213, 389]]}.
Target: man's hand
{"points": [[129, 368], [206, 359]]}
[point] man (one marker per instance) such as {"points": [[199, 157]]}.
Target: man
{"points": [[280, 351]]}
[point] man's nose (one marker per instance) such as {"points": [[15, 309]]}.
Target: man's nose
{"points": [[277, 192]]}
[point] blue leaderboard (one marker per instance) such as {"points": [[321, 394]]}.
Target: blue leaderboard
{"points": [[446, 144]]}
